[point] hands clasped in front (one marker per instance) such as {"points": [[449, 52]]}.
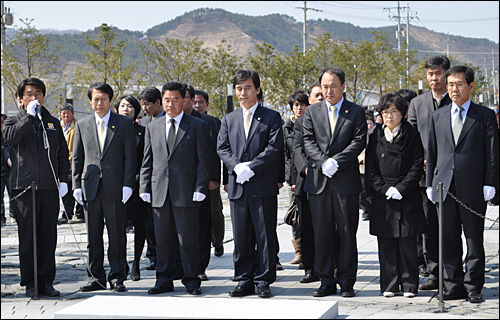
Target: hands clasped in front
{"points": [[197, 197], [393, 193], [330, 167], [243, 172]]}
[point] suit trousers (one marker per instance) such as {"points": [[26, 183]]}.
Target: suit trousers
{"points": [[455, 218], [99, 211], [398, 264], [177, 231], [257, 216], [430, 240], [205, 237], [69, 204], [332, 211], [47, 211], [218, 224], [150, 236], [307, 231]]}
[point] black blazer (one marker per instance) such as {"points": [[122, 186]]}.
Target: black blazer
{"points": [[473, 162], [299, 158], [347, 142], [401, 165], [139, 140]]}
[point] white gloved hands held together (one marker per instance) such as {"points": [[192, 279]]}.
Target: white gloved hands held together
{"points": [[63, 189], [126, 194], [330, 167], [78, 195], [488, 192], [198, 196], [31, 108], [146, 197], [393, 193], [243, 172]]}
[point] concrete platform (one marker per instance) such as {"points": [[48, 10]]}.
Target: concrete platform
{"points": [[99, 307]]}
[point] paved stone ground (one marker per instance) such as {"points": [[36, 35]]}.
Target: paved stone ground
{"points": [[368, 302]]}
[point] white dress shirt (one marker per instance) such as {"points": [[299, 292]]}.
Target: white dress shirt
{"points": [[338, 105], [454, 110], [252, 110], [168, 123], [106, 121]]}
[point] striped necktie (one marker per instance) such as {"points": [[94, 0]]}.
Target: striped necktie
{"points": [[458, 123]]}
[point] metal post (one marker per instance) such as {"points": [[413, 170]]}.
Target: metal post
{"points": [[35, 265], [229, 100], [441, 273]]}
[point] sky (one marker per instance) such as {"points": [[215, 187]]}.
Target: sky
{"points": [[475, 19]]}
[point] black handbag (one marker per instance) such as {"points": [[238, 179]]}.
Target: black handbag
{"points": [[292, 216]]}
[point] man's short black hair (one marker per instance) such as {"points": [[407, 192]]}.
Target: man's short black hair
{"points": [[32, 81], [202, 93], [315, 84], [242, 75], [67, 106], [407, 94], [150, 94], [469, 73], [174, 86], [437, 62], [101, 86], [333, 70], [392, 98]]}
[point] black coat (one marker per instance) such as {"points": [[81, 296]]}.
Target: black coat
{"points": [[400, 165], [136, 208], [290, 170]]}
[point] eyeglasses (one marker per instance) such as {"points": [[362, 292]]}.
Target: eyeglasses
{"points": [[458, 85], [386, 113]]}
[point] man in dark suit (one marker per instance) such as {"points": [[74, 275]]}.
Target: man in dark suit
{"points": [[150, 99], [174, 179], [419, 115], [104, 168], [213, 162], [463, 154], [334, 134], [249, 144]]}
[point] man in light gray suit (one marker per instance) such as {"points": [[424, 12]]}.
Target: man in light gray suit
{"points": [[104, 165], [174, 178]]}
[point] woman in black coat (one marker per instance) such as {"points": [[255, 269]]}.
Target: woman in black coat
{"points": [[394, 166], [137, 210]]}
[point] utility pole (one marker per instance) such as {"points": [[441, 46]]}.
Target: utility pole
{"points": [[399, 34], [486, 82], [304, 29], [495, 100], [448, 41], [7, 20]]}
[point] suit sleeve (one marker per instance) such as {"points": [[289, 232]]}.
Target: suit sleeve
{"points": [[491, 147], [78, 158], [299, 157], [357, 144], [62, 157], [202, 153], [412, 114], [431, 152], [214, 157], [147, 164], [130, 156], [311, 147], [224, 147]]}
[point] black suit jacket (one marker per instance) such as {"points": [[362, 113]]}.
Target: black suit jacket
{"points": [[117, 163], [473, 162], [213, 128], [181, 172], [263, 148], [346, 143], [299, 158]]}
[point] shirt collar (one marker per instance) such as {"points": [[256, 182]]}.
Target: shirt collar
{"points": [[105, 118], [177, 119], [253, 108], [338, 105], [466, 105]]}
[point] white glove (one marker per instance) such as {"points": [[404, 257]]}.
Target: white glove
{"points": [[393, 193], [31, 108], [330, 167], [198, 196], [246, 174], [146, 197], [127, 193], [488, 192], [63, 189], [238, 169], [429, 193], [78, 195]]}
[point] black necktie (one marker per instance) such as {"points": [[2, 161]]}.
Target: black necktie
{"points": [[171, 135]]}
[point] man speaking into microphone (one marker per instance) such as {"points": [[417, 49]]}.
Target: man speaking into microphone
{"points": [[39, 153]]}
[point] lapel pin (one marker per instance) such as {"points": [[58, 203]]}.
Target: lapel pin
{"points": [[346, 111], [113, 127], [258, 119], [139, 133]]}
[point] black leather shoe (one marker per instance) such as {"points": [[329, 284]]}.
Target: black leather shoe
{"points": [[423, 272], [309, 277], [158, 289], [30, 292], [194, 291], [203, 277], [475, 297], [347, 293], [324, 291], [431, 284], [454, 295], [93, 286], [48, 290], [279, 266], [264, 292], [233, 278], [219, 251], [118, 287], [152, 266], [241, 291]]}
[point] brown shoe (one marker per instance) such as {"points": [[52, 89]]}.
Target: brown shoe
{"points": [[430, 284], [298, 256]]}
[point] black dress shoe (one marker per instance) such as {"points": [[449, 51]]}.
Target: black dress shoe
{"points": [[241, 291], [118, 287], [194, 291], [309, 277], [279, 266], [454, 295], [203, 277], [475, 297], [233, 278], [30, 292], [264, 292], [158, 289], [93, 286], [152, 266], [347, 292], [423, 272], [219, 251], [48, 290], [324, 291], [431, 284]]}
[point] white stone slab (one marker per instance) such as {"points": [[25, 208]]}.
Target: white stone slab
{"points": [[116, 307]]}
